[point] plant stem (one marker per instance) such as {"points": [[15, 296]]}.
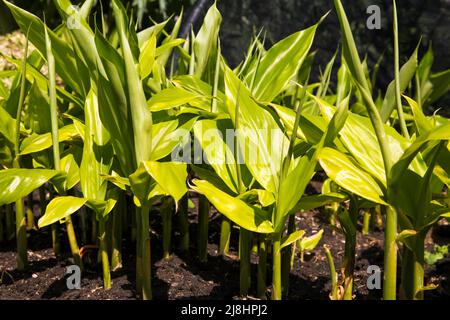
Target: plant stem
{"points": [[30, 217], [262, 268], [139, 252], [55, 240], [366, 222], [104, 255], [73, 243], [55, 227], [390, 255], [116, 254], [286, 258], [225, 232], [21, 227], [146, 258], [333, 274], [244, 263], [21, 236], [166, 214], [203, 219], [184, 222], [409, 285], [276, 267], [398, 98]]}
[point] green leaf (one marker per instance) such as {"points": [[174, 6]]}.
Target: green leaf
{"points": [[167, 136], [200, 88], [38, 113], [66, 65], [245, 216], [70, 167], [101, 207], [205, 43], [261, 141], [407, 73], [309, 243], [406, 234], [441, 85], [312, 202], [60, 208], [279, 65], [18, 183], [36, 143], [117, 180], [311, 128], [349, 49], [398, 170], [350, 177], [422, 123], [172, 98], [170, 42], [293, 186], [170, 176], [217, 151], [142, 186], [359, 138], [97, 151], [141, 117], [7, 126], [291, 238], [147, 57], [263, 197]]}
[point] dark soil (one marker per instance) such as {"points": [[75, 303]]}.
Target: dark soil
{"points": [[183, 277]]}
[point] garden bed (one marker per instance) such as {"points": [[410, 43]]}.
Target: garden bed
{"points": [[184, 277]]}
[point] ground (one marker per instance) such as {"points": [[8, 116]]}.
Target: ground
{"points": [[183, 277]]}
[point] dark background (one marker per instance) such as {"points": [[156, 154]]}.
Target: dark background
{"points": [[429, 19]]}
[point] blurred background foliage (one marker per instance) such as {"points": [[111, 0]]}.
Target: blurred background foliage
{"points": [[428, 20]]}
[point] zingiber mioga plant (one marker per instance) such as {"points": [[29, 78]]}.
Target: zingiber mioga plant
{"points": [[115, 139]]}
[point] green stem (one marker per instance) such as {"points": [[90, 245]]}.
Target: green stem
{"points": [[333, 274], [276, 267], [30, 217], [398, 98], [413, 271], [390, 255], [286, 258], [73, 243], [104, 255], [116, 254], [166, 214], [21, 236], [366, 222], [43, 206], [244, 263], [203, 219], [225, 233], [21, 227], [184, 223], [262, 268], [55, 240], [139, 252], [146, 258]]}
